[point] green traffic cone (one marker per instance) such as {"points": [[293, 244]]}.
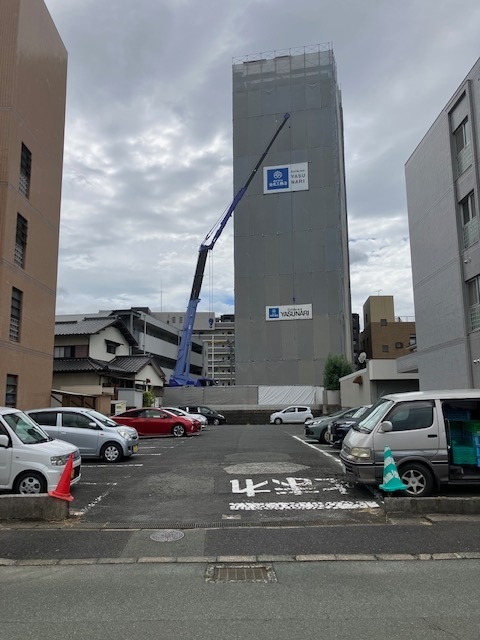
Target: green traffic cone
{"points": [[391, 479]]}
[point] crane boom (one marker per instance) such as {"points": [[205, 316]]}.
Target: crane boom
{"points": [[180, 375]]}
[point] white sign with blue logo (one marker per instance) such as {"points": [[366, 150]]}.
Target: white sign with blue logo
{"points": [[289, 312], [287, 177]]}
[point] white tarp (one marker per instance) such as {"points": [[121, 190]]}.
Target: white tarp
{"points": [[289, 395]]}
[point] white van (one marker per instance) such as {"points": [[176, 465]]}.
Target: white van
{"points": [[30, 460], [434, 437]]}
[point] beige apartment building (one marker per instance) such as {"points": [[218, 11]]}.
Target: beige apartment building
{"points": [[385, 335], [33, 74]]}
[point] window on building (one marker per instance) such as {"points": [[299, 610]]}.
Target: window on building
{"points": [[474, 302], [20, 241], [399, 345], [383, 322], [385, 348], [469, 221], [173, 319], [111, 346], [11, 391], [15, 314], [463, 148], [71, 351], [25, 171], [412, 339]]}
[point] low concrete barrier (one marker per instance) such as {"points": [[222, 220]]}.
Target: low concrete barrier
{"points": [[33, 507], [440, 504]]}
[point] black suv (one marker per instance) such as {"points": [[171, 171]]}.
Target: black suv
{"points": [[211, 415]]}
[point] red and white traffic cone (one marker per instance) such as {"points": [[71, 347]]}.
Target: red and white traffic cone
{"points": [[63, 487]]}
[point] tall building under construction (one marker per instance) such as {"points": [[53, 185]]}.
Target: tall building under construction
{"points": [[292, 281]]}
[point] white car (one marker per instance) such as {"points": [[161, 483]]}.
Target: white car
{"points": [[30, 460], [292, 415], [196, 416]]}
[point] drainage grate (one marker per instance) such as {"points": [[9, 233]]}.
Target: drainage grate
{"points": [[240, 573]]}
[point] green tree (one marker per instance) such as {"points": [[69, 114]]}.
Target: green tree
{"points": [[335, 368], [148, 398]]}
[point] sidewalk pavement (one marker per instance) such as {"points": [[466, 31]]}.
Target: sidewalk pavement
{"points": [[433, 536]]}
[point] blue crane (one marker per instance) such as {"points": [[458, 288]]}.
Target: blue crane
{"points": [[181, 374]]}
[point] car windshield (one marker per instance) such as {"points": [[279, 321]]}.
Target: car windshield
{"points": [[360, 412], [26, 429], [177, 412], [374, 416], [108, 422]]}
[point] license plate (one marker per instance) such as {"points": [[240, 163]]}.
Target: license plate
{"points": [[135, 448]]}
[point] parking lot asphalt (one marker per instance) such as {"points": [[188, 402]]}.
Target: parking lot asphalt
{"points": [[233, 492]]}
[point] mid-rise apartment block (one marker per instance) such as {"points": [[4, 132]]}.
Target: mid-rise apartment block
{"points": [[385, 335], [443, 187], [218, 336], [292, 280], [33, 73]]}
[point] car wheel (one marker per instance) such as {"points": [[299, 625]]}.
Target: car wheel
{"points": [[278, 421], [321, 438], [178, 430], [30, 482], [111, 452], [216, 421], [418, 478]]}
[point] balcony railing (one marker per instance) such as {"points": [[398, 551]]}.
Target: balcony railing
{"points": [[464, 158], [470, 232], [475, 316]]}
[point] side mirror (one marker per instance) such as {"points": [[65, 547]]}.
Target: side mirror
{"points": [[386, 426], [4, 441], [94, 425]]}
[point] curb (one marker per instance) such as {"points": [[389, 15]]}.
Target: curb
{"points": [[421, 506], [374, 557]]}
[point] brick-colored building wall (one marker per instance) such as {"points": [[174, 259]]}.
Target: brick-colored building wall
{"points": [[33, 73], [383, 340]]}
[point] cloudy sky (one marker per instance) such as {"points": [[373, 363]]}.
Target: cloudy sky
{"points": [[148, 140]]}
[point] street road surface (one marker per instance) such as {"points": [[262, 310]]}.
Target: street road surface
{"points": [[433, 600]]}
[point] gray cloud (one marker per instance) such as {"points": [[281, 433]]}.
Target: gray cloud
{"points": [[148, 152]]}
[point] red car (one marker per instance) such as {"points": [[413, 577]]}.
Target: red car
{"points": [[149, 421]]}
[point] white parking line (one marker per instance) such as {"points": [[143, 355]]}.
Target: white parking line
{"points": [[95, 484], [342, 505], [98, 499], [325, 453], [149, 454], [142, 447], [102, 466]]}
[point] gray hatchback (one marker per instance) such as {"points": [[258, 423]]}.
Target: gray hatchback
{"points": [[96, 435]]}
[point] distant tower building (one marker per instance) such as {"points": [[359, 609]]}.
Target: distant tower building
{"points": [[33, 76], [292, 282]]}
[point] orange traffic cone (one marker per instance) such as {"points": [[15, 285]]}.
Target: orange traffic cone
{"points": [[63, 487]]}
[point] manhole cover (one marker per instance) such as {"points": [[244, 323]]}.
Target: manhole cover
{"points": [[250, 468], [240, 573], [167, 535]]}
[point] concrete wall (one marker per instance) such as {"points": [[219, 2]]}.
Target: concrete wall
{"points": [[440, 265], [377, 379], [35, 507]]}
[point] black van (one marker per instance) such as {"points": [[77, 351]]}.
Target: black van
{"points": [[211, 415]]}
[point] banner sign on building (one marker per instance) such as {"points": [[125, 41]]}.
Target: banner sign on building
{"points": [[285, 177], [289, 312]]}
